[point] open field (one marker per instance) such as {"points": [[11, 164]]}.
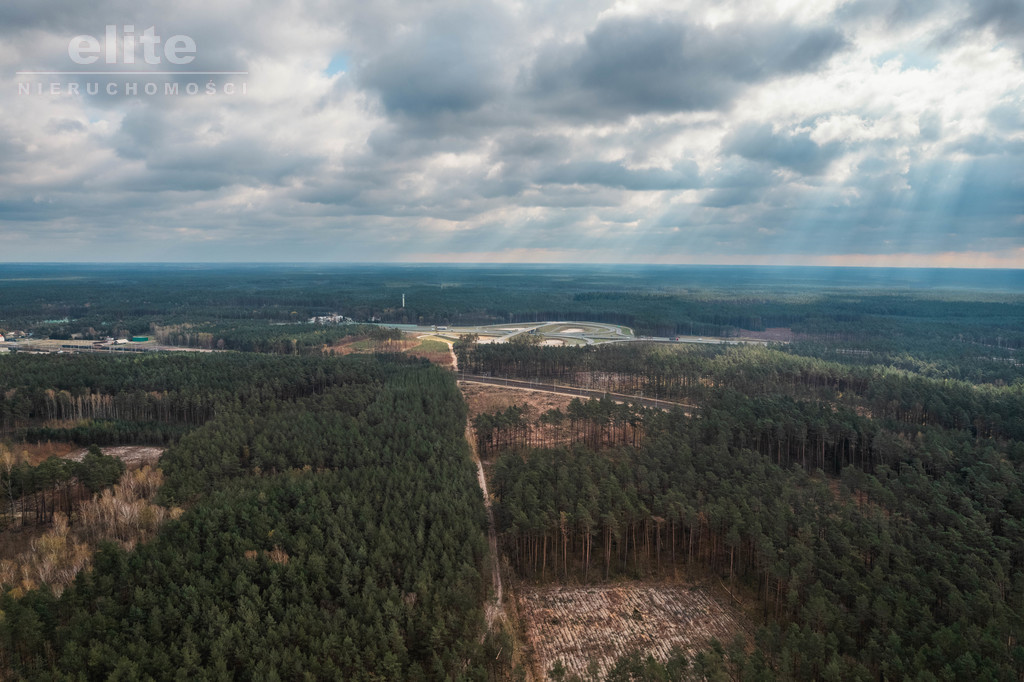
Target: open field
{"points": [[484, 398], [436, 350], [362, 344], [132, 455], [577, 625], [572, 391]]}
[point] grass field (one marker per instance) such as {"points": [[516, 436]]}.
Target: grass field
{"points": [[429, 345]]}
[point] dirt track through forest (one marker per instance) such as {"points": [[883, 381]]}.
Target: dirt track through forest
{"points": [[494, 610]]}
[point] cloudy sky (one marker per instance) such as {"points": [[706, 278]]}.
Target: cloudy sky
{"points": [[852, 132]]}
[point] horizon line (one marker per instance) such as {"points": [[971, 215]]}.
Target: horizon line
{"points": [[526, 263]]}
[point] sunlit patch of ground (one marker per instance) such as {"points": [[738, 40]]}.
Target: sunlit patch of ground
{"points": [[486, 398], [132, 455]]}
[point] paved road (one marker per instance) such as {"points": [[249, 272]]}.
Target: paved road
{"points": [[570, 390], [123, 349], [589, 334]]}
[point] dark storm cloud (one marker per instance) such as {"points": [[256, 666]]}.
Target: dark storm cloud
{"points": [[795, 151], [532, 145], [892, 12], [19, 15], [432, 69], [177, 160], [684, 175], [630, 65], [25, 210], [737, 182], [238, 160], [729, 197], [1005, 17], [429, 77]]}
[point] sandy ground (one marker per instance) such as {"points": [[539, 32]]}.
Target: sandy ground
{"points": [[490, 399], [132, 455]]}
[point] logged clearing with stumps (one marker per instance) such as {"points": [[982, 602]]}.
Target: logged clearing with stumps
{"points": [[577, 625]]}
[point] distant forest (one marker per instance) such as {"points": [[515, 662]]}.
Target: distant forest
{"points": [[881, 311]]}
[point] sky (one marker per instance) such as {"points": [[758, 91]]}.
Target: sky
{"points": [[836, 132]]}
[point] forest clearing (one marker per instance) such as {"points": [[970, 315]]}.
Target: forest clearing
{"points": [[484, 398], [432, 348], [133, 456], [578, 625]]}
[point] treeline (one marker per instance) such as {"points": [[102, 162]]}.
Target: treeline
{"points": [[701, 373], [264, 337], [336, 534], [107, 432], [167, 388], [982, 347], [914, 569]]}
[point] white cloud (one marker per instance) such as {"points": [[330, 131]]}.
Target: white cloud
{"points": [[514, 130]]}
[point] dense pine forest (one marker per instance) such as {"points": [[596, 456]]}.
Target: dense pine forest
{"points": [[334, 528], [876, 517], [857, 492]]}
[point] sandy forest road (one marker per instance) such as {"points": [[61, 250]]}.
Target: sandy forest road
{"points": [[496, 609]]}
